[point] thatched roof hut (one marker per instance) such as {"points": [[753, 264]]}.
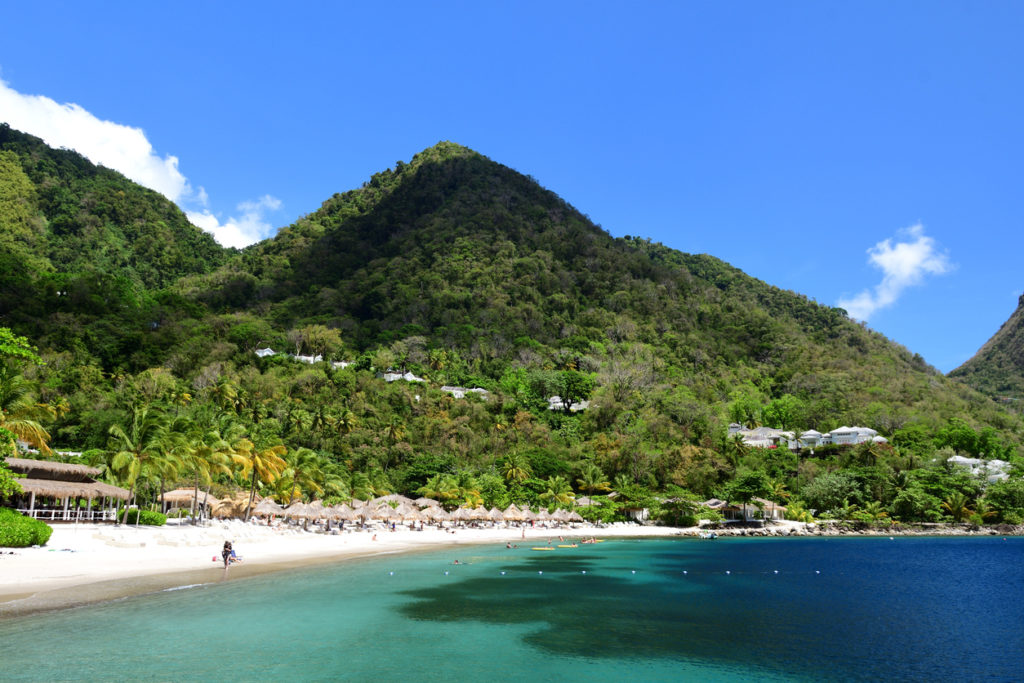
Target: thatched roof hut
{"points": [[496, 515], [178, 496], [62, 480], [426, 502]]}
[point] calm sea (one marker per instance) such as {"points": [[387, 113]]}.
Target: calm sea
{"points": [[948, 609]]}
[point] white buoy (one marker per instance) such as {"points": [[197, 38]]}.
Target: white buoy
{"points": [[583, 572], [816, 571], [728, 572], [503, 573], [634, 571], [540, 572], [391, 573], [446, 573], [684, 571], [776, 571]]}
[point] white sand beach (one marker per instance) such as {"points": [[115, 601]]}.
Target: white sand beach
{"points": [[84, 563]]}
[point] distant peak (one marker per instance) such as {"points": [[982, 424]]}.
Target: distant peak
{"points": [[442, 151]]}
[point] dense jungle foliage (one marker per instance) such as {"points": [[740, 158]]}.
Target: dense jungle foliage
{"points": [[467, 273]]}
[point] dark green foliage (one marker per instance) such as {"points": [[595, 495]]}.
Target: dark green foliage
{"points": [[19, 531]]}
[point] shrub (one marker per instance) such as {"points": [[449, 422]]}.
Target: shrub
{"points": [[19, 531], [148, 517]]}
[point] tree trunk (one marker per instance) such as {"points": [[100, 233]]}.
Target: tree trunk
{"points": [[131, 494], [252, 494], [195, 498]]}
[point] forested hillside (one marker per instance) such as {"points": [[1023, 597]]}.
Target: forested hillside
{"points": [[997, 369], [464, 272]]}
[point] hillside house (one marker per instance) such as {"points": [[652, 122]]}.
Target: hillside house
{"points": [[460, 392]]}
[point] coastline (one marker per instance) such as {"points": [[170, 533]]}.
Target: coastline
{"points": [[92, 563]]}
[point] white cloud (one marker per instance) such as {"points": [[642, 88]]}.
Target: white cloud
{"points": [[127, 150], [903, 264], [113, 145], [242, 231]]}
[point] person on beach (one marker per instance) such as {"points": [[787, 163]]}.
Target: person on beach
{"points": [[226, 553]]}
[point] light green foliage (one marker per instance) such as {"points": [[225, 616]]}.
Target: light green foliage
{"points": [[19, 531]]}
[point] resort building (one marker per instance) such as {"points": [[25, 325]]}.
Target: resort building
{"points": [[991, 470], [395, 376], [63, 492], [766, 437], [758, 509], [460, 392], [556, 403]]}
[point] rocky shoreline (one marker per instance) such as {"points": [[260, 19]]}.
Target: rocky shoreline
{"points": [[836, 528]]}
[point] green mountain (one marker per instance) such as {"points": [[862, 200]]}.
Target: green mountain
{"points": [[464, 272], [81, 244], [997, 369], [453, 251]]}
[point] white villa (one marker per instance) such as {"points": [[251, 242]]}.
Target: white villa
{"points": [[395, 376], [991, 470], [766, 437], [556, 403], [263, 353], [460, 392]]}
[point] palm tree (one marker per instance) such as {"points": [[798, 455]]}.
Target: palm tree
{"points": [[559, 492], [956, 506], [516, 467], [303, 471], [135, 445], [875, 511], [777, 491], [18, 413], [264, 464], [592, 479]]}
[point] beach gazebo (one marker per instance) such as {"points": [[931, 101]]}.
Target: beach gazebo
{"points": [[50, 488], [182, 498]]}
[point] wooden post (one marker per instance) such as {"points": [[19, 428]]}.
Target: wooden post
{"points": [[32, 505]]}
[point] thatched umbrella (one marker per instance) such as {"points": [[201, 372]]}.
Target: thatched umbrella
{"points": [[543, 515], [384, 512], [528, 514], [426, 502], [560, 515], [584, 502], [462, 515], [405, 510], [436, 514], [316, 509], [512, 514], [297, 510], [496, 515], [575, 517], [479, 513], [344, 512], [267, 508]]}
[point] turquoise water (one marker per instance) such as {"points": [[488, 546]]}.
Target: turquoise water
{"points": [[659, 610]]}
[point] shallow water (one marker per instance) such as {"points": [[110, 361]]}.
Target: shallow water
{"points": [[668, 609]]}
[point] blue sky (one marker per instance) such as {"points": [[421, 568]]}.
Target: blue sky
{"points": [[859, 153]]}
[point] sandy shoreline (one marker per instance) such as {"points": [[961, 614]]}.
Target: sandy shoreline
{"points": [[90, 563]]}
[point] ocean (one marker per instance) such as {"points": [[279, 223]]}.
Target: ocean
{"points": [[801, 609]]}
